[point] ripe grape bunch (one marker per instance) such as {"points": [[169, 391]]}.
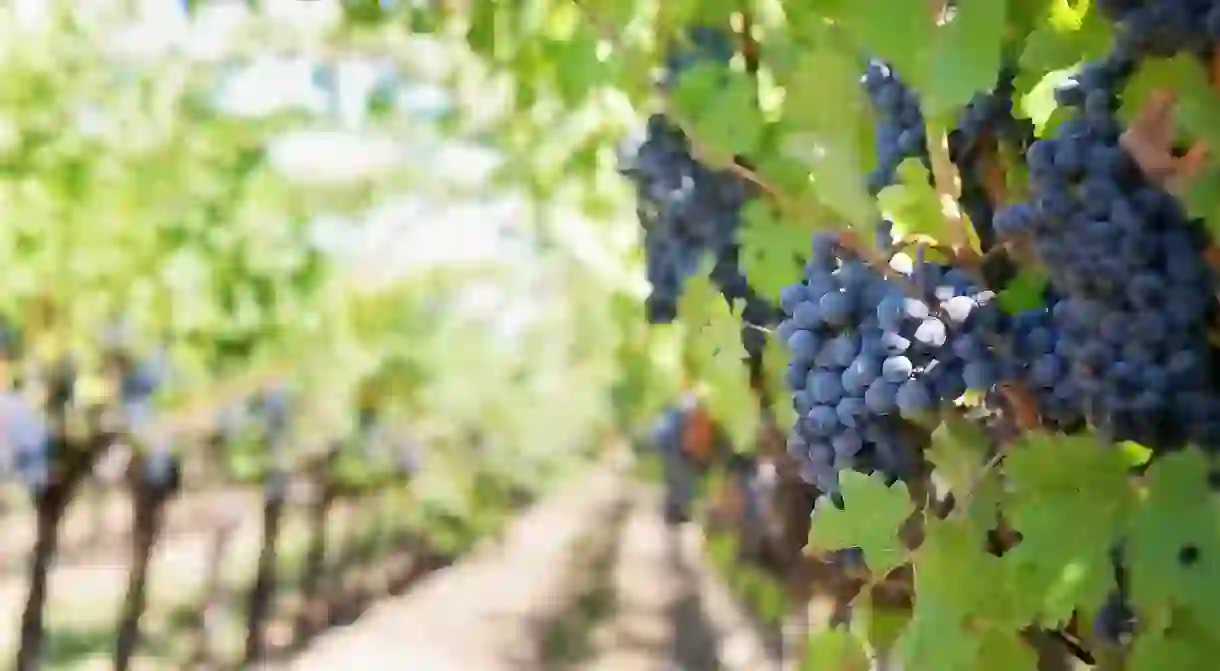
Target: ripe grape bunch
{"points": [[688, 210], [871, 358], [1128, 329], [1163, 28]]}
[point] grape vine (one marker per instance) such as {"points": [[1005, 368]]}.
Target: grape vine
{"points": [[886, 347], [997, 362]]}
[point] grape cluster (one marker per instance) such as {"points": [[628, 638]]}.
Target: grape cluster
{"points": [[687, 210], [141, 380], [274, 406], [901, 133], [871, 353], [1135, 293], [690, 211], [138, 382], [1039, 362], [1164, 27], [162, 470], [29, 438]]}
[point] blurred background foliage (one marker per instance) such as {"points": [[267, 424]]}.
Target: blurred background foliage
{"points": [[306, 192]]}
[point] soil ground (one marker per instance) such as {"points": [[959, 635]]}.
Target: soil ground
{"points": [[659, 608]]}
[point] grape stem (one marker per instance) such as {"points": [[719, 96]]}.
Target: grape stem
{"points": [[948, 188], [1074, 647], [994, 182], [750, 48]]}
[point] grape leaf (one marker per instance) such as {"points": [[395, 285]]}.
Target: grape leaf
{"points": [[482, 35], [1023, 292], [898, 31], [936, 638], [881, 626], [575, 64], [1065, 558], [1173, 551], [835, 649], [1186, 644], [1069, 35], [721, 106], [775, 366], [871, 516], [714, 349], [1004, 650], [934, 641], [912, 203], [829, 139], [770, 249], [958, 453], [1156, 650], [965, 57]]}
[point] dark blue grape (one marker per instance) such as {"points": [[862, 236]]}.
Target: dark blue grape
{"points": [[1126, 328]]}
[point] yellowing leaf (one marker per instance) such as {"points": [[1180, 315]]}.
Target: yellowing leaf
{"points": [[912, 203]]}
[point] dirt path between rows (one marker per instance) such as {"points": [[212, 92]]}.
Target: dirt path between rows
{"points": [[484, 612], [673, 614], [491, 612]]}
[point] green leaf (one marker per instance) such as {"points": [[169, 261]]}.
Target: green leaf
{"points": [[936, 637], [935, 641], [1156, 650], [959, 452], [614, 15], [772, 251], [898, 31], [1135, 454], [715, 351], [1005, 650], [1065, 557], [831, 141], [576, 66], [1070, 34], [871, 516], [1025, 17], [1173, 551], [880, 625], [966, 56], [912, 203], [835, 649], [775, 367], [722, 108], [482, 33], [1024, 292]]}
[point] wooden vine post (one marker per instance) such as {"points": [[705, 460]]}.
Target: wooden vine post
{"points": [[315, 612], [69, 462], [262, 594], [150, 492]]}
